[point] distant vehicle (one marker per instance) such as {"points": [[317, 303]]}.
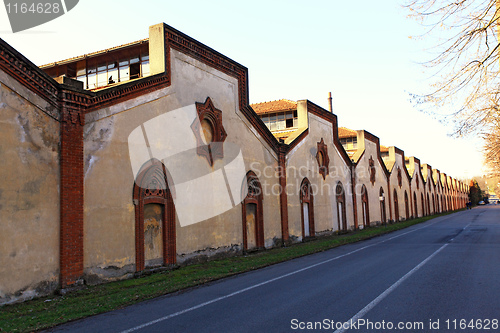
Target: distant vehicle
{"points": [[481, 203]]}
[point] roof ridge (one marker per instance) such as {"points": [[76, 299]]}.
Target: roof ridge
{"points": [[277, 100], [55, 63]]}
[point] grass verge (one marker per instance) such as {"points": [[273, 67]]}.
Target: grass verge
{"points": [[50, 311]]}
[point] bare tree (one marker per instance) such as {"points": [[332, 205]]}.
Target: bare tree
{"points": [[467, 62], [492, 147]]}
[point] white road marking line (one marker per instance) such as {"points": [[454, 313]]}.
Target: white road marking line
{"points": [[136, 328], [242, 291], [380, 297]]}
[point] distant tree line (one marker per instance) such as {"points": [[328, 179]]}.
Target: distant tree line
{"points": [[476, 194]]}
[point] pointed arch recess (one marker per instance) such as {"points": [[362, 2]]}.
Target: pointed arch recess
{"points": [[341, 207], [307, 209], [252, 214], [365, 206], [151, 187]]}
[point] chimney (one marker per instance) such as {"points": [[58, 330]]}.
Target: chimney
{"points": [[330, 101]]}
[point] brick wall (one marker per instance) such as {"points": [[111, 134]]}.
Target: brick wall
{"points": [[71, 244]]}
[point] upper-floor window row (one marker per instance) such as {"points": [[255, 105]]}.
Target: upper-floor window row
{"points": [[280, 120], [110, 72], [349, 143]]}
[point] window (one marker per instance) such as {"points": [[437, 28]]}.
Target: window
{"points": [[365, 207], [396, 206], [81, 76], [415, 204], [307, 203], [153, 234], [253, 220], [422, 204], [265, 120], [289, 119], [280, 125], [281, 120], [341, 211], [433, 204], [92, 78], [349, 143], [407, 206], [110, 72], [272, 122], [383, 215], [428, 205], [209, 131], [154, 217], [144, 64], [135, 71]]}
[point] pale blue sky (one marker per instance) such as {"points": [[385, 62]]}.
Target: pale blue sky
{"points": [[358, 50]]}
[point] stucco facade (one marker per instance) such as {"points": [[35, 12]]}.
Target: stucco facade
{"points": [[99, 151], [399, 181], [371, 179], [29, 196]]}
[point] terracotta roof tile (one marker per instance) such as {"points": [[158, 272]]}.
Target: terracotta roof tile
{"points": [[347, 133], [274, 106]]}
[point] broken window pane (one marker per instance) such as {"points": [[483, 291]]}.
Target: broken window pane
{"points": [[135, 71], [113, 75]]}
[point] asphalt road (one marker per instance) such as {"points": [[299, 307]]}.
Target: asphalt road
{"points": [[438, 276]]}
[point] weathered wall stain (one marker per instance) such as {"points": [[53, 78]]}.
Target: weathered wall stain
{"points": [[29, 199], [33, 186], [96, 136], [153, 217]]}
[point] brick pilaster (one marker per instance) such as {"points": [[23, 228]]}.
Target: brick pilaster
{"points": [[354, 196], [71, 173], [283, 195]]}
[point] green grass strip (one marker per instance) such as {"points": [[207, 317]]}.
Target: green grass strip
{"points": [[53, 310]]}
